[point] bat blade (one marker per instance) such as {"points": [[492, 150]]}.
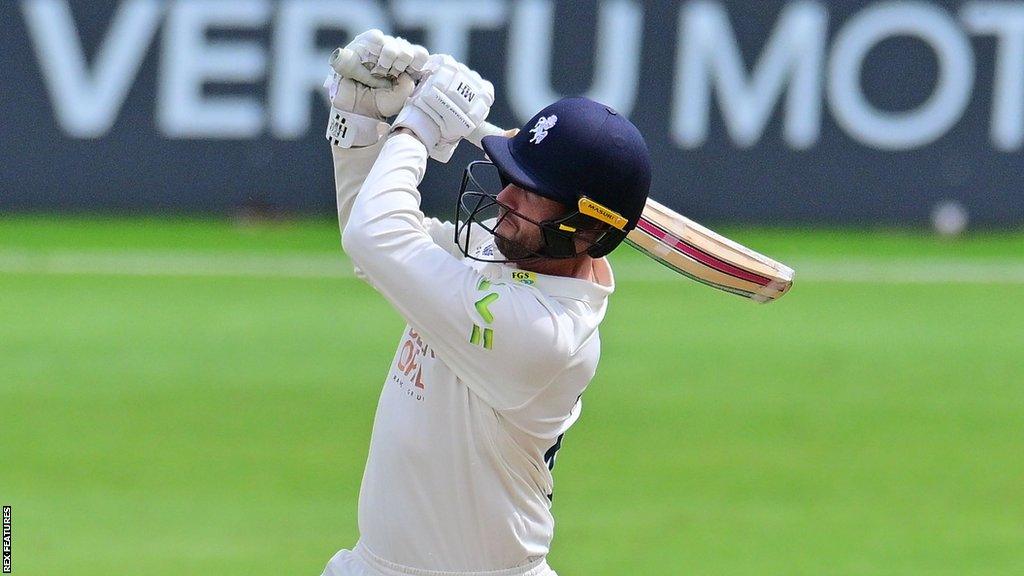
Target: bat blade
{"points": [[708, 257]]}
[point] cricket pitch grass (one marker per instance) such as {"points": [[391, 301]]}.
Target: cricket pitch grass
{"points": [[196, 397]]}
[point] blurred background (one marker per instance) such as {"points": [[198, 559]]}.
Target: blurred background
{"points": [[189, 369]]}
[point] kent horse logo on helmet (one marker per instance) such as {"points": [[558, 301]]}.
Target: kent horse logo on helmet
{"points": [[540, 130]]}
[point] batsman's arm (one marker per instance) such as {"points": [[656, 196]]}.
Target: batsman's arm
{"points": [[482, 330], [377, 96], [361, 102], [351, 166]]}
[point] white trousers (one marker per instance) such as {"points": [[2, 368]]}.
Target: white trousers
{"points": [[361, 562]]}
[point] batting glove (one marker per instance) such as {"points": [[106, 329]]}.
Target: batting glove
{"points": [[449, 102], [372, 79], [389, 56]]}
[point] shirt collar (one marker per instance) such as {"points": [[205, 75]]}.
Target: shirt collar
{"points": [[559, 286], [593, 292]]}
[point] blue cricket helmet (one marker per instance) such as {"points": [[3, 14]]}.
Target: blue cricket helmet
{"points": [[584, 155]]}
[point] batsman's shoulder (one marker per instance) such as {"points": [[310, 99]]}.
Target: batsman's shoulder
{"points": [[535, 322]]}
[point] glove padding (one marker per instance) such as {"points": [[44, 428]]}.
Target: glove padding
{"points": [[358, 111], [353, 96], [389, 56], [449, 102], [371, 81]]}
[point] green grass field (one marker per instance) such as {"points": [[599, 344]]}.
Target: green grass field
{"points": [[196, 397]]}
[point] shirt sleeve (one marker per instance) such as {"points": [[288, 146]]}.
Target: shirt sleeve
{"points": [[505, 341], [443, 234], [351, 166]]}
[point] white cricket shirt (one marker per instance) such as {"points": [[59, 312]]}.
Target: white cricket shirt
{"points": [[486, 380]]}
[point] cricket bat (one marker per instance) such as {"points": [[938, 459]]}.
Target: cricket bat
{"points": [[662, 234]]}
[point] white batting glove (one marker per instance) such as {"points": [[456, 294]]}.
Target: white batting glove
{"points": [[381, 100], [360, 100], [450, 101], [388, 56], [358, 112]]}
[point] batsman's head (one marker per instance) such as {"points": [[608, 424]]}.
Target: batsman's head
{"points": [[590, 162]]}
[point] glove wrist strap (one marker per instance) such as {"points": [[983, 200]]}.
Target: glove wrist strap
{"points": [[349, 130]]}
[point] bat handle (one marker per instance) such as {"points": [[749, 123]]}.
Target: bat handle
{"points": [[347, 64], [488, 129]]}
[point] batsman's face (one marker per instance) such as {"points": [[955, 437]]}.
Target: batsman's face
{"points": [[518, 237]]}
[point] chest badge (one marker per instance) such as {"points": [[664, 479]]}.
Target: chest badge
{"points": [[524, 277]]}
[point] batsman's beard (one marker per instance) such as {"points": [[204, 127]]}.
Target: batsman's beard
{"points": [[508, 239]]}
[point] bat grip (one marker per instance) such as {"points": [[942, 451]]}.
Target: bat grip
{"points": [[488, 129]]}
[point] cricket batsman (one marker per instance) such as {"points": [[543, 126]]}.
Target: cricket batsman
{"points": [[503, 306]]}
